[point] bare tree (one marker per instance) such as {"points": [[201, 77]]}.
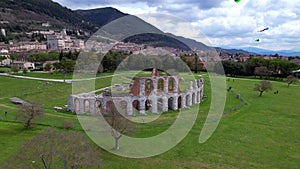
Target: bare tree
{"points": [[28, 112], [291, 79], [263, 86], [53, 149], [261, 71], [119, 124]]}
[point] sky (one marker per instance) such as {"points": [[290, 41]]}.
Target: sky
{"points": [[224, 23]]}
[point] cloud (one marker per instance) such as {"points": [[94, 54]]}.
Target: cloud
{"points": [[225, 22]]}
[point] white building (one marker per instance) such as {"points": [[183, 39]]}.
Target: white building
{"points": [[7, 61], [27, 46], [61, 41], [24, 65]]}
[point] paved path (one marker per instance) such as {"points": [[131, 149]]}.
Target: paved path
{"points": [[55, 80]]}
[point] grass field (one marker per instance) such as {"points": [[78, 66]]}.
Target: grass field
{"points": [[262, 134]]}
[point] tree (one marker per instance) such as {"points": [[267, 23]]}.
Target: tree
{"points": [[261, 71], [263, 86], [67, 65], [15, 69], [48, 67], [53, 149], [119, 124], [28, 112], [291, 79]]}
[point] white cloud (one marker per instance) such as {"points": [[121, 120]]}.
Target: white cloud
{"points": [[225, 22]]}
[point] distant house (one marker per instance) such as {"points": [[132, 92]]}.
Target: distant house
{"points": [[296, 60], [52, 68], [61, 41], [24, 65], [5, 54], [27, 46]]}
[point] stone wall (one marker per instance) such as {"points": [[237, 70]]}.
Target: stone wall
{"points": [[151, 97]]}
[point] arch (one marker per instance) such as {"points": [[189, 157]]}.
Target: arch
{"points": [[179, 102], [148, 104], [193, 98], [86, 106], [98, 107], [187, 100], [135, 105], [76, 105], [170, 103], [160, 84], [109, 105], [171, 84], [160, 104], [148, 87]]}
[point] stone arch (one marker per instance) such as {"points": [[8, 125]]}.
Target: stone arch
{"points": [[179, 102], [171, 84], [170, 103], [86, 105], [98, 107], [187, 100], [148, 104], [136, 105], [109, 104], [193, 98], [76, 105], [160, 84], [148, 87]]}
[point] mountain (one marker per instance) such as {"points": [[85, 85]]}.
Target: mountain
{"points": [[129, 28], [157, 40], [234, 51], [27, 15], [101, 16], [271, 52], [192, 44]]}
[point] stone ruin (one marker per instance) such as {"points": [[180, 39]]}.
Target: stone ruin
{"points": [[156, 94]]}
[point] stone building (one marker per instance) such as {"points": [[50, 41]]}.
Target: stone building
{"points": [[154, 94]]}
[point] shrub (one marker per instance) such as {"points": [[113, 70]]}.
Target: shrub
{"points": [[67, 124]]}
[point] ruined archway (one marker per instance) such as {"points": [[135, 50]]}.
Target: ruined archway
{"points": [[86, 106], [136, 106], [187, 100], [171, 84], [179, 102], [170, 103], [76, 102], [148, 104], [148, 87], [160, 85], [193, 98]]}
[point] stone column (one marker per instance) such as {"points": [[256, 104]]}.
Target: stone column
{"points": [[165, 104], [176, 85], [154, 105], [142, 106], [166, 85], [191, 85], [183, 101], [92, 106], [189, 99], [175, 103], [81, 105], [195, 84], [155, 83], [142, 87], [129, 108]]}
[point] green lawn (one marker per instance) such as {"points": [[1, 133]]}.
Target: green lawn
{"points": [[262, 134]]}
